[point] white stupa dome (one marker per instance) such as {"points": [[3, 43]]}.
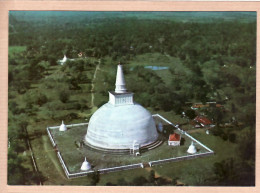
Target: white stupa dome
{"points": [[121, 122], [63, 127], [192, 149], [85, 165], [117, 127]]}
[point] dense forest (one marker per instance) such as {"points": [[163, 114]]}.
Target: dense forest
{"points": [[217, 62]]}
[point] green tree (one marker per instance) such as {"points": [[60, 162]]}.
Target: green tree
{"points": [[41, 99], [152, 176], [190, 113], [226, 172], [139, 181], [246, 143], [122, 182], [94, 178], [64, 96]]}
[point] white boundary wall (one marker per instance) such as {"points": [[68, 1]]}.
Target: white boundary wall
{"points": [[161, 117], [50, 136], [192, 138], [82, 174], [152, 163], [71, 125], [63, 165], [101, 171], [198, 142], [127, 167]]}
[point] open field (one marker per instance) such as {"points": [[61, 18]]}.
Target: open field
{"points": [[13, 50], [156, 59]]}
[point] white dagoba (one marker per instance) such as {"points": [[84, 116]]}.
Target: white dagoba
{"points": [[85, 165], [63, 60], [121, 121], [63, 127], [192, 148]]}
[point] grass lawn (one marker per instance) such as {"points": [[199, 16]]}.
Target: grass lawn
{"points": [[12, 50], [50, 167], [153, 59], [190, 172], [170, 115], [195, 171], [157, 59], [74, 156]]}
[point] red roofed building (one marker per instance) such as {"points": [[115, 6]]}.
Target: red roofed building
{"points": [[207, 105], [174, 139], [203, 121]]}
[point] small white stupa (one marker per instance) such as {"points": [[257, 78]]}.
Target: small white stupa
{"points": [[207, 132], [63, 60], [192, 149], [85, 165], [63, 127]]}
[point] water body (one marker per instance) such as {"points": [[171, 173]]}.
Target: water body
{"points": [[157, 67]]}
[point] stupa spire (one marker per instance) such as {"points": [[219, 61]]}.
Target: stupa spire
{"points": [[120, 80]]}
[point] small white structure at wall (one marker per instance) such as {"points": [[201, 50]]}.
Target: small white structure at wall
{"points": [[63, 127], [207, 132], [85, 165], [192, 148], [136, 148], [160, 127]]}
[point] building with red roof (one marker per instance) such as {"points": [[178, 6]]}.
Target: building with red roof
{"points": [[203, 121], [174, 139], [197, 106]]}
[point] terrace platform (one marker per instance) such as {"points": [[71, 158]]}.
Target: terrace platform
{"points": [[71, 156]]}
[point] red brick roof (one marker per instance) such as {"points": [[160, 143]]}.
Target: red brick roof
{"points": [[203, 120], [200, 106], [174, 137]]}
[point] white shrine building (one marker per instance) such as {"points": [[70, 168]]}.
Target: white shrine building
{"points": [[174, 139]]}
